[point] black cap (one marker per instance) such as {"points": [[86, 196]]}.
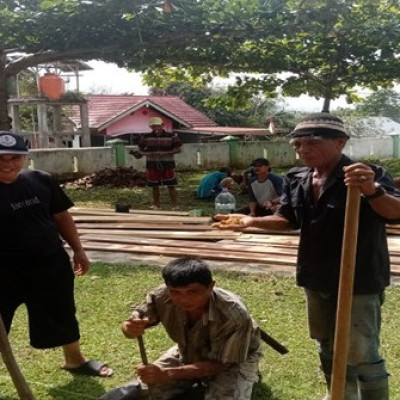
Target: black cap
{"points": [[320, 124], [260, 161], [10, 143]]}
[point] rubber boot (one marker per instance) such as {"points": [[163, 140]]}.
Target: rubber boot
{"points": [[374, 383], [351, 389], [326, 367], [375, 393], [130, 391]]}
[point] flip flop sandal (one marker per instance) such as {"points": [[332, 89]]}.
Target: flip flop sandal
{"points": [[91, 368]]}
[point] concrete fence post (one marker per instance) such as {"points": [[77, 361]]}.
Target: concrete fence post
{"points": [[119, 147], [396, 144]]}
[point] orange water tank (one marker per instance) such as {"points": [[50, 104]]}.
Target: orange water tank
{"points": [[51, 85]]}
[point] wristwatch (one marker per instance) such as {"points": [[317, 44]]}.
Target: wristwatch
{"points": [[379, 191]]}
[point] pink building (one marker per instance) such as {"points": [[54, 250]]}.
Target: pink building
{"points": [[127, 117]]}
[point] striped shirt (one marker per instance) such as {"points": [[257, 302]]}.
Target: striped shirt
{"points": [[152, 143]]}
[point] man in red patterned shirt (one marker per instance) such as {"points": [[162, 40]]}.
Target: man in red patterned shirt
{"points": [[159, 148]]}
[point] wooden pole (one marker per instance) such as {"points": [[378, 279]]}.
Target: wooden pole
{"points": [[145, 361], [270, 341], [142, 350], [345, 294], [18, 379]]}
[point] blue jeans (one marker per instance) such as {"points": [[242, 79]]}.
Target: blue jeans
{"points": [[364, 361]]}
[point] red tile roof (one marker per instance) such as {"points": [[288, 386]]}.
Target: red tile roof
{"points": [[104, 110]]}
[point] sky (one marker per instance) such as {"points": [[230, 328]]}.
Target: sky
{"points": [[108, 78]]}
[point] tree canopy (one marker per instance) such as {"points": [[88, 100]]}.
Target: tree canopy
{"points": [[383, 103], [317, 47], [322, 48]]}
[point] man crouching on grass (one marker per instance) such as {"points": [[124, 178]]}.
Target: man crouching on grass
{"points": [[217, 341]]}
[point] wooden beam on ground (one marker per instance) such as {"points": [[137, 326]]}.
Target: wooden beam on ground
{"points": [[164, 234], [224, 247], [109, 211], [180, 252], [271, 240], [120, 217], [171, 233], [142, 226]]}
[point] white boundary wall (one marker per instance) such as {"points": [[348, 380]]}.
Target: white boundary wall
{"points": [[70, 163]]}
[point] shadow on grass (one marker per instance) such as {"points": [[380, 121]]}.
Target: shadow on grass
{"points": [[90, 388], [78, 388], [262, 391]]}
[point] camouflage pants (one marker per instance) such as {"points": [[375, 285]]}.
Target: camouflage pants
{"points": [[228, 385]]}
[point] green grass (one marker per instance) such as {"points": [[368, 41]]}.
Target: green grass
{"points": [[140, 198], [104, 297]]}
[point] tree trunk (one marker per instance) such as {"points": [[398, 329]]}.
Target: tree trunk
{"points": [[327, 104], [4, 118], [327, 96]]}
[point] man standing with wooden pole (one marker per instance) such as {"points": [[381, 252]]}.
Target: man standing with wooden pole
{"points": [[314, 201]]}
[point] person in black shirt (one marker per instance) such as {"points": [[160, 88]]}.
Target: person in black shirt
{"points": [[35, 270], [313, 200]]}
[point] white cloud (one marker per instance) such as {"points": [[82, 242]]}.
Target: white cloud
{"points": [[108, 78], [310, 104]]}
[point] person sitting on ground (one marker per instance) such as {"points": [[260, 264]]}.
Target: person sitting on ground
{"points": [[217, 342], [264, 190], [35, 269], [212, 183]]}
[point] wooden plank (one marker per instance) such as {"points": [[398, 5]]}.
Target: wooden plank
{"points": [[177, 234], [224, 248], [179, 252], [393, 241], [121, 217], [392, 231], [133, 226], [110, 211], [393, 226], [278, 240], [271, 232], [394, 259], [192, 235], [395, 270], [271, 260]]}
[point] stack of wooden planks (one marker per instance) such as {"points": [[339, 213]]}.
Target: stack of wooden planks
{"points": [[175, 234]]}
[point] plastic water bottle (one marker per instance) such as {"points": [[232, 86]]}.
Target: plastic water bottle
{"points": [[225, 202]]}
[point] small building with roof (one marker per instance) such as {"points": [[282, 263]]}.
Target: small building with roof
{"points": [[127, 116]]}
